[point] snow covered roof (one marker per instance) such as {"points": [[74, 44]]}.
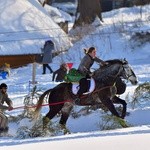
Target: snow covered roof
{"points": [[25, 26]]}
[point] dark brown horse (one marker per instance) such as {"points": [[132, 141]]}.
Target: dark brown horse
{"points": [[108, 82]]}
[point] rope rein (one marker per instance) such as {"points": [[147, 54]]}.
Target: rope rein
{"points": [[25, 107], [58, 103]]}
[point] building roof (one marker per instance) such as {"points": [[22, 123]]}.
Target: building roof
{"points": [[25, 26]]}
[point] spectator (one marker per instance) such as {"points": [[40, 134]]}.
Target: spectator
{"points": [[47, 55], [60, 73], [4, 98]]}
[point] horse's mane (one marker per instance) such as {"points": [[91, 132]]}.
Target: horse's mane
{"points": [[117, 61], [104, 72]]}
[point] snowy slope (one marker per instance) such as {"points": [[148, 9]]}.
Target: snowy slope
{"points": [[114, 37]]}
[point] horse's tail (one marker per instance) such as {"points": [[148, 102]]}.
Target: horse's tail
{"points": [[39, 103]]}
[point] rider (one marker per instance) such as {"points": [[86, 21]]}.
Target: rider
{"points": [[4, 98], [84, 68]]}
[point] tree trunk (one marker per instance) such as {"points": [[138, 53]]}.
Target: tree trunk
{"points": [[87, 10], [124, 3], [141, 2], [47, 2]]}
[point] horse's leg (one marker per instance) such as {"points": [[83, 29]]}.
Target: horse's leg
{"points": [[118, 100], [108, 103], [65, 112], [52, 112]]}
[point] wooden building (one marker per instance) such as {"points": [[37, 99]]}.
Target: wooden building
{"points": [[16, 61]]}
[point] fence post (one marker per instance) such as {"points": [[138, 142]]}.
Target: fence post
{"points": [[33, 73]]}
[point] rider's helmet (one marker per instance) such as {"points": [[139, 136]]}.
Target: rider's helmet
{"points": [[3, 85]]}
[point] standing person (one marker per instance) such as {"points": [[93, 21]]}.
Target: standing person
{"points": [[4, 98], [84, 68], [47, 55], [60, 73]]}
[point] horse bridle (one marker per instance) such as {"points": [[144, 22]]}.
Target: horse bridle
{"points": [[127, 77]]}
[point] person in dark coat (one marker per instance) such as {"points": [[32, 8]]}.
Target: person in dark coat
{"points": [[60, 73], [84, 69], [47, 55]]}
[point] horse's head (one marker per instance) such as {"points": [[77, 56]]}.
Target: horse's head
{"points": [[128, 73], [116, 68]]}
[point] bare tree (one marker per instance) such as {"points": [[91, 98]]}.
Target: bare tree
{"points": [[86, 12]]}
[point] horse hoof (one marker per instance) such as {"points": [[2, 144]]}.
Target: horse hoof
{"points": [[122, 122], [65, 130], [46, 121]]}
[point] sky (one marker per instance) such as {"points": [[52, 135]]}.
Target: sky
{"points": [[116, 41]]}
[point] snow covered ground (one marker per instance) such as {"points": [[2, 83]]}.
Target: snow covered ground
{"points": [[85, 130]]}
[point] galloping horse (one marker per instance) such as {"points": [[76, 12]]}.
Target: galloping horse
{"points": [[105, 92]]}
